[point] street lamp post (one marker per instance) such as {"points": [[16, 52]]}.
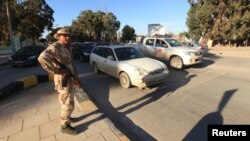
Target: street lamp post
{"points": [[10, 28]]}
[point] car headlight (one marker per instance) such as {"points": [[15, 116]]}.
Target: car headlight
{"points": [[140, 72], [32, 57]]}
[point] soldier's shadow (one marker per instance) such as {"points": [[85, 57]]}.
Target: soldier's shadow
{"points": [[199, 131]]}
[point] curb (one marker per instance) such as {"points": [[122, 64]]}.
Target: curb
{"points": [[84, 103], [22, 83]]}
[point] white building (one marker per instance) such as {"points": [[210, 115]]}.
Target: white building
{"points": [[156, 29], [118, 35]]}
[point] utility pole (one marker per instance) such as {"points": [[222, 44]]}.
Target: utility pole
{"points": [[170, 7], [10, 28]]}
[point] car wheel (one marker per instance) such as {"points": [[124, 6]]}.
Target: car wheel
{"points": [[124, 80], [95, 67], [176, 62]]}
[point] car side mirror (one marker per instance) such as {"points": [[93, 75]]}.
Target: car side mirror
{"points": [[111, 58]]}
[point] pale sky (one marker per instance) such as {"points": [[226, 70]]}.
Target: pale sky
{"points": [[135, 13]]}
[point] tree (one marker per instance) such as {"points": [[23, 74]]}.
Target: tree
{"points": [[29, 18], [34, 16], [224, 21], [111, 26], [4, 31], [95, 25], [193, 23], [128, 33]]}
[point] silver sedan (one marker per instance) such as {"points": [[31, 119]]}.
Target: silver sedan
{"points": [[128, 65]]}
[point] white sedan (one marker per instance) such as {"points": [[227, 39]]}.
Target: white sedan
{"points": [[128, 65]]}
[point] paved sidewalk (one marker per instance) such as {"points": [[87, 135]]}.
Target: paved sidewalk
{"points": [[231, 51], [33, 115]]}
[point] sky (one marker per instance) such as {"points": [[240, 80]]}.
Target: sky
{"points": [[135, 13]]}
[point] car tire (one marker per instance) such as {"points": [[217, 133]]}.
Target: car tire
{"points": [[125, 80], [176, 62], [96, 69]]}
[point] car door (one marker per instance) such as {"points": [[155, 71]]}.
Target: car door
{"points": [[149, 48], [101, 58], [161, 48], [111, 63]]}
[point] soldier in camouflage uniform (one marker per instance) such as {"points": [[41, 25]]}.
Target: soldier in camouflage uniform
{"points": [[62, 52]]}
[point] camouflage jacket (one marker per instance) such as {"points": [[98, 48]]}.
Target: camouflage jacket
{"points": [[61, 53]]}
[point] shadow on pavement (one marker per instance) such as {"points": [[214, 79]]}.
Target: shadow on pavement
{"points": [[199, 131], [100, 85]]}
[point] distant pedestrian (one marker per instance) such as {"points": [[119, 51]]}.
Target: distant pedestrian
{"points": [[52, 59]]}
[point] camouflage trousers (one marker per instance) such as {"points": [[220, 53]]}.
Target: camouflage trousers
{"points": [[66, 99]]}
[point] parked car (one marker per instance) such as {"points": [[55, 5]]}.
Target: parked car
{"points": [[202, 47], [83, 50], [128, 65], [171, 50], [26, 56]]}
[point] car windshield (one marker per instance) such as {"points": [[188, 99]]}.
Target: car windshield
{"points": [[127, 53], [173, 42]]}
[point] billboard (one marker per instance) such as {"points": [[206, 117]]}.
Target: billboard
{"points": [[156, 29]]}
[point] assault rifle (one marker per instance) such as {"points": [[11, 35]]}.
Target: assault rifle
{"points": [[69, 75]]}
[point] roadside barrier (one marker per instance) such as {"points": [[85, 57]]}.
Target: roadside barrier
{"points": [[23, 83]]}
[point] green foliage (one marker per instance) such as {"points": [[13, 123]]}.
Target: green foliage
{"points": [[128, 33], [98, 25], [29, 18], [193, 23], [224, 21]]}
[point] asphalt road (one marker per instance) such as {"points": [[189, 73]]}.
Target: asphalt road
{"points": [[216, 92]]}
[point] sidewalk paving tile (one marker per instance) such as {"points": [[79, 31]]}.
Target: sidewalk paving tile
{"points": [[31, 134], [50, 138], [4, 139], [97, 137], [109, 135], [35, 120], [65, 137], [5, 119], [96, 128], [50, 128], [10, 128], [54, 114], [24, 113]]}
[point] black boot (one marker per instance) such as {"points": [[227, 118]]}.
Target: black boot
{"points": [[68, 129]]}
